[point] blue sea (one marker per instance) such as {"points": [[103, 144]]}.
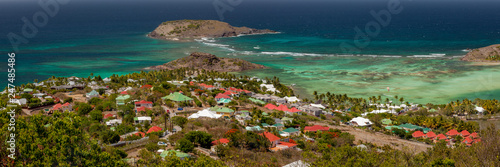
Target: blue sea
{"points": [[416, 53]]}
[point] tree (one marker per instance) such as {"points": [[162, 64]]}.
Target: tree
{"points": [[202, 138], [180, 121], [185, 145], [82, 108], [96, 115]]}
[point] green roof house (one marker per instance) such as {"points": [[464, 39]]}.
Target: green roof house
{"points": [[224, 111], [289, 132], [285, 119], [177, 97], [27, 90], [386, 121], [120, 100], [256, 101]]}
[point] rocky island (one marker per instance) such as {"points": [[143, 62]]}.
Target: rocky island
{"points": [[485, 54], [198, 60], [189, 29]]}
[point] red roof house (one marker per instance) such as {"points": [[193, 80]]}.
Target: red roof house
{"points": [[124, 93], [467, 141], [418, 134], [289, 145], [220, 141], [282, 108], [272, 138], [465, 133], [154, 129], [143, 102], [139, 109], [270, 106], [108, 116], [430, 135], [293, 109], [473, 135], [316, 128], [146, 86], [222, 96], [57, 107], [440, 137], [452, 133]]}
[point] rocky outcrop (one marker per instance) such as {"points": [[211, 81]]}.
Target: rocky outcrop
{"points": [[208, 61], [486, 54], [189, 29]]}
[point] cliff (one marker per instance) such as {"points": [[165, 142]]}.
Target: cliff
{"points": [[182, 29], [486, 54], [211, 62]]}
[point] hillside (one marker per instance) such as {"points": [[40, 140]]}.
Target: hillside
{"points": [[485, 54], [198, 60], [182, 29]]}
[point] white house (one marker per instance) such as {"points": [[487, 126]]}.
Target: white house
{"points": [[360, 121], [106, 80], [114, 122], [140, 120]]}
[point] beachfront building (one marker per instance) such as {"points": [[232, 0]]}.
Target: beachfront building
{"points": [[141, 120], [122, 99]]}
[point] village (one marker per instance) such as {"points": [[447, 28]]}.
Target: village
{"points": [[200, 113]]}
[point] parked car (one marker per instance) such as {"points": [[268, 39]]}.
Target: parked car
{"points": [[160, 143]]}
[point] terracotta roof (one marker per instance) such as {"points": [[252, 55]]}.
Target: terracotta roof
{"points": [[220, 141], [124, 93], [287, 144], [431, 135], [57, 106], [465, 133], [477, 140], [146, 86], [473, 135], [440, 137], [452, 132], [270, 106], [467, 140], [418, 134], [270, 136], [282, 108], [220, 96], [293, 109], [141, 134], [139, 109], [316, 128], [66, 104], [247, 91], [108, 116], [143, 102], [154, 129]]}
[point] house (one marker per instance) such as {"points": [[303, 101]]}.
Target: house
{"points": [[67, 107], [122, 99], [292, 99], [177, 97], [360, 121], [142, 109], [298, 163], [39, 95], [316, 128], [140, 120], [286, 119], [92, 94], [220, 96], [465, 133], [280, 100], [278, 126], [108, 116], [452, 133], [146, 86], [430, 135], [289, 132], [418, 134], [143, 103], [154, 129], [313, 110], [131, 80], [439, 137], [106, 80], [27, 90], [272, 138], [205, 113], [386, 121], [467, 141], [215, 143], [61, 107], [114, 122], [292, 111], [253, 128], [224, 111]]}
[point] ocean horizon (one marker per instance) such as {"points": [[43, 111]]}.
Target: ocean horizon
{"points": [[416, 54]]}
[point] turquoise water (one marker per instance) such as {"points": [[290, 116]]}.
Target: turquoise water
{"points": [[416, 56]]}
